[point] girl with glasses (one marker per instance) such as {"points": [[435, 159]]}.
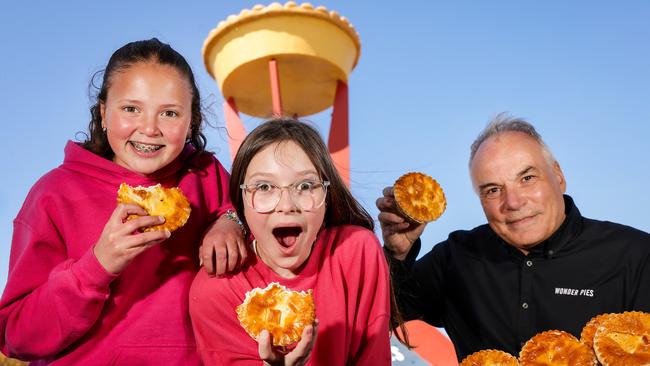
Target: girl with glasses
{"points": [[307, 232]]}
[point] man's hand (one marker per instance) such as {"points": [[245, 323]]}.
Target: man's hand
{"points": [[223, 247], [399, 233], [298, 357]]}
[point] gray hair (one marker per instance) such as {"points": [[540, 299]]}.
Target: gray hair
{"points": [[503, 122]]}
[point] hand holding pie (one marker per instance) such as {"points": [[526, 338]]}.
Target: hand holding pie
{"points": [[419, 197], [170, 203], [283, 313]]}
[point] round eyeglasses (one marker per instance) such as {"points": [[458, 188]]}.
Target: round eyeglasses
{"points": [[264, 197]]}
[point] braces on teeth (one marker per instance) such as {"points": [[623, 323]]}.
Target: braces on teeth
{"points": [[145, 148]]}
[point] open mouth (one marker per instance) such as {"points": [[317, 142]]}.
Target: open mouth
{"points": [[145, 148], [287, 236]]}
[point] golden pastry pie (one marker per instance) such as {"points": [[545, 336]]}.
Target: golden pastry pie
{"points": [[6, 361], [170, 203], [624, 340], [489, 357], [419, 197], [589, 330], [556, 348], [283, 313]]}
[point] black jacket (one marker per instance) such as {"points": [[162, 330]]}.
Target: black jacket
{"points": [[487, 294]]}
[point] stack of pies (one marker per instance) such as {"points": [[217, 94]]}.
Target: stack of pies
{"points": [[282, 312], [623, 339], [419, 197], [616, 339], [170, 203]]}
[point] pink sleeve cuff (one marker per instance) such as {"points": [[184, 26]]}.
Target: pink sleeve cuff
{"points": [[91, 274]]}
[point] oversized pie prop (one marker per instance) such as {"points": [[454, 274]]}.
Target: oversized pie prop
{"points": [[490, 357], [556, 348], [624, 340], [170, 203], [419, 197], [283, 313]]}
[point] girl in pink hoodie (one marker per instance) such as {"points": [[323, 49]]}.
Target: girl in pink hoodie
{"points": [[87, 287], [307, 232]]}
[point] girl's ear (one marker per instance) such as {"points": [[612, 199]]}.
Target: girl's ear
{"points": [[102, 113]]}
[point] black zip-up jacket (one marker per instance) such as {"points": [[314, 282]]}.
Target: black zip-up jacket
{"points": [[487, 294]]}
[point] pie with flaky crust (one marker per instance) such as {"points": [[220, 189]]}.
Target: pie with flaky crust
{"points": [[556, 348], [490, 357], [170, 203], [589, 330], [624, 340], [419, 197], [283, 313]]}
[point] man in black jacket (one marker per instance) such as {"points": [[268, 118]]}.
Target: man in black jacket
{"points": [[536, 265]]}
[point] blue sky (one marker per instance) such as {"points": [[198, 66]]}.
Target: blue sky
{"points": [[431, 74]]}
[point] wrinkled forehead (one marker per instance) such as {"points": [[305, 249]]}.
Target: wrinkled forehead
{"points": [[505, 155]]}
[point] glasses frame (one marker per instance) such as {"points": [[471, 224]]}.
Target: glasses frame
{"points": [[247, 187]]}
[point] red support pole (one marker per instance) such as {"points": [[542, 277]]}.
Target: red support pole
{"points": [[234, 125], [275, 88], [338, 142]]}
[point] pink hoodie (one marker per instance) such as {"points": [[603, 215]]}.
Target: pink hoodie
{"points": [[348, 275], [61, 307]]}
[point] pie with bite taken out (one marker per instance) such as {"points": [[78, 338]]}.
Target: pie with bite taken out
{"points": [[170, 203], [282, 312], [419, 197], [490, 357], [624, 340], [556, 348]]}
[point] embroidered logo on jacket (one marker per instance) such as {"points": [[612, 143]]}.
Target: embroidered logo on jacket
{"points": [[574, 291]]}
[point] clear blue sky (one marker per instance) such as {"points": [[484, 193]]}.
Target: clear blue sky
{"points": [[430, 76]]}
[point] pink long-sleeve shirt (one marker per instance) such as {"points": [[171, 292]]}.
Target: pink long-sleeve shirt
{"points": [[61, 307], [348, 274]]}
